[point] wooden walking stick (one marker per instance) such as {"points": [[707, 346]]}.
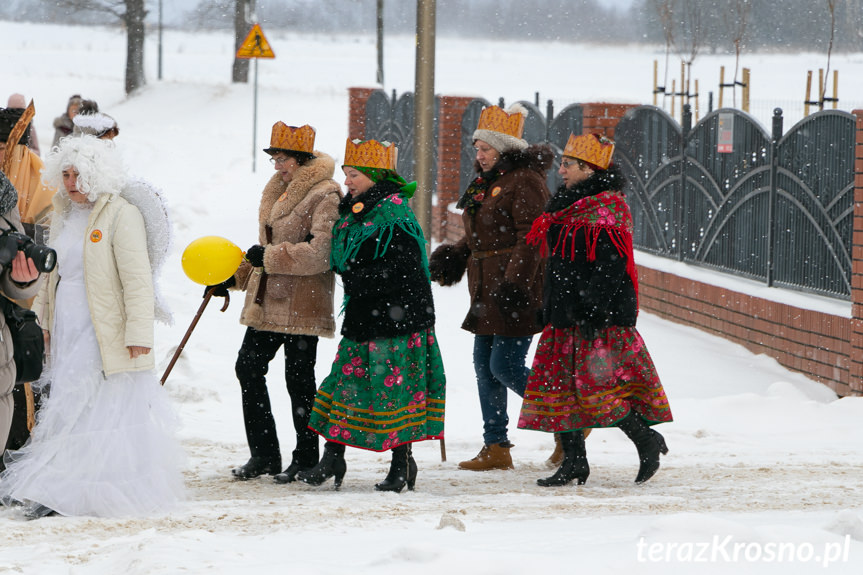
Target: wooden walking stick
{"points": [[191, 328]]}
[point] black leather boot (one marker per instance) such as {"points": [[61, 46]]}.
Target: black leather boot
{"points": [[289, 475], [332, 464], [256, 466], [574, 464], [648, 442], [403, 471], [304, 457]]}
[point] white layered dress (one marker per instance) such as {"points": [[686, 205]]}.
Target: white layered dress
{"points": [[102, 446]]}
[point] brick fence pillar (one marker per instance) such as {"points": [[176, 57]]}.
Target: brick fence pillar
{"points": [[856, 358], [602, 117], [451, 109], [357, 98]]}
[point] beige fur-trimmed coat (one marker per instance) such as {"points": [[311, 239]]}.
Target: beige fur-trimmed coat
{"points": [[298, 296]]}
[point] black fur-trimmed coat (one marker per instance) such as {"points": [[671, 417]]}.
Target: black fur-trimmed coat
{"points": [[388, 295], [579, 292]]}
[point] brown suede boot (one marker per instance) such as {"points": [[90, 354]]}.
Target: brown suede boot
{"points": [[494, 456], [556, 457]]}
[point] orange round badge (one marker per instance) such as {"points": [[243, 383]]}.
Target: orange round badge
{"points": [[96, 236], [358, 207], [495, 191]]}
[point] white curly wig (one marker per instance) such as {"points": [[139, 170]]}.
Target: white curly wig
{"points": [[98, 163]]}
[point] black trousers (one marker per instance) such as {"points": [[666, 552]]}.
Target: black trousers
{"points": [[18, 433], [258, 349]]}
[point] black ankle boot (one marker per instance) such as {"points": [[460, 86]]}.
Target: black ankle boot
{"points": [[574, 464], [289, 475], [332, 464], [256, 466], [403, 471], [648, 442]]}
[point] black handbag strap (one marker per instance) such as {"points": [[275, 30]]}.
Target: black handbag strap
{"points": [[11, 310]]}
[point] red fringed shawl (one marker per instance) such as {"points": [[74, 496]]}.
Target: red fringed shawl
{"points": [[605, 211]]}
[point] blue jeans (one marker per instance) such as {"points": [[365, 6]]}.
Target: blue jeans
{"points": [[499, 364]]}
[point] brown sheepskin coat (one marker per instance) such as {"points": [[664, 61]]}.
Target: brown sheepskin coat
{"points": [[298, 293], [494, 248]]}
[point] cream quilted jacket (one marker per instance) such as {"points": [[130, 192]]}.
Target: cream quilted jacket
{"points": [[118, 279]]}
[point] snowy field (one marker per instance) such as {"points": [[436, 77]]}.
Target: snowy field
{"points": [[765, 469]]}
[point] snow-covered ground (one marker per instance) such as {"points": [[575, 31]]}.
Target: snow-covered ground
{"points": [[765, 469]]}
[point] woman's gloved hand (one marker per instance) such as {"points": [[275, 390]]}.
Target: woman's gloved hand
{"points": [[221, 290], [255, 256]]}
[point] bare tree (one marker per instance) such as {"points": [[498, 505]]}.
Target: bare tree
{"points": [[831, 5], [692, 34], [735, 20], [133, 18], [131, 13], [243, 15], [665, 10]]}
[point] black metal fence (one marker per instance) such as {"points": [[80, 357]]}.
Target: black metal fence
{"points": [[724, 194], [727, 195], [392, 120]]}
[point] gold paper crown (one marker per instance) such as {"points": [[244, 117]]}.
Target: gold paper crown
{"points": [[286, 137], [371, 154], [593, 148], [497, 120]]}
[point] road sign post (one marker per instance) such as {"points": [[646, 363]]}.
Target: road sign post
{"points": [[255, 46]]}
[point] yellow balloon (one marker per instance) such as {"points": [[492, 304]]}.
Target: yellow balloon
{"points": [[211, 260]]}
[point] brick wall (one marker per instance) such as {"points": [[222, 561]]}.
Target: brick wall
{"points": [[815, 343], [449, 167], [603, 117], [357, 112]]}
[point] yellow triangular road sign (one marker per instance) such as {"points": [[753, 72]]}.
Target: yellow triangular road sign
{"points": [[255, 45]]}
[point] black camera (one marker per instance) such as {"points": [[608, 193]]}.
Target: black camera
{"points": [[12, 242]]}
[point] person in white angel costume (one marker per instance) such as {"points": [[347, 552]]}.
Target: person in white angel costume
{"points": [[104, 442]]}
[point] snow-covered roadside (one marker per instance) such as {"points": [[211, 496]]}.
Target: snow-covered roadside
{"points": [[757, 453]]}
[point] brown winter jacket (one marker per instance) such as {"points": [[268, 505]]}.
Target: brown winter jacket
{"points": [[298, 293], [494, 243]]}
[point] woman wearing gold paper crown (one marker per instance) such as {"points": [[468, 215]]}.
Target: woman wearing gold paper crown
{"points": [[386, 388], [289, 297], [504, 273], [591, 367]]}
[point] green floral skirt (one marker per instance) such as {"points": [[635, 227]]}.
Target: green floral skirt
{"points": [[383, 393]]}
